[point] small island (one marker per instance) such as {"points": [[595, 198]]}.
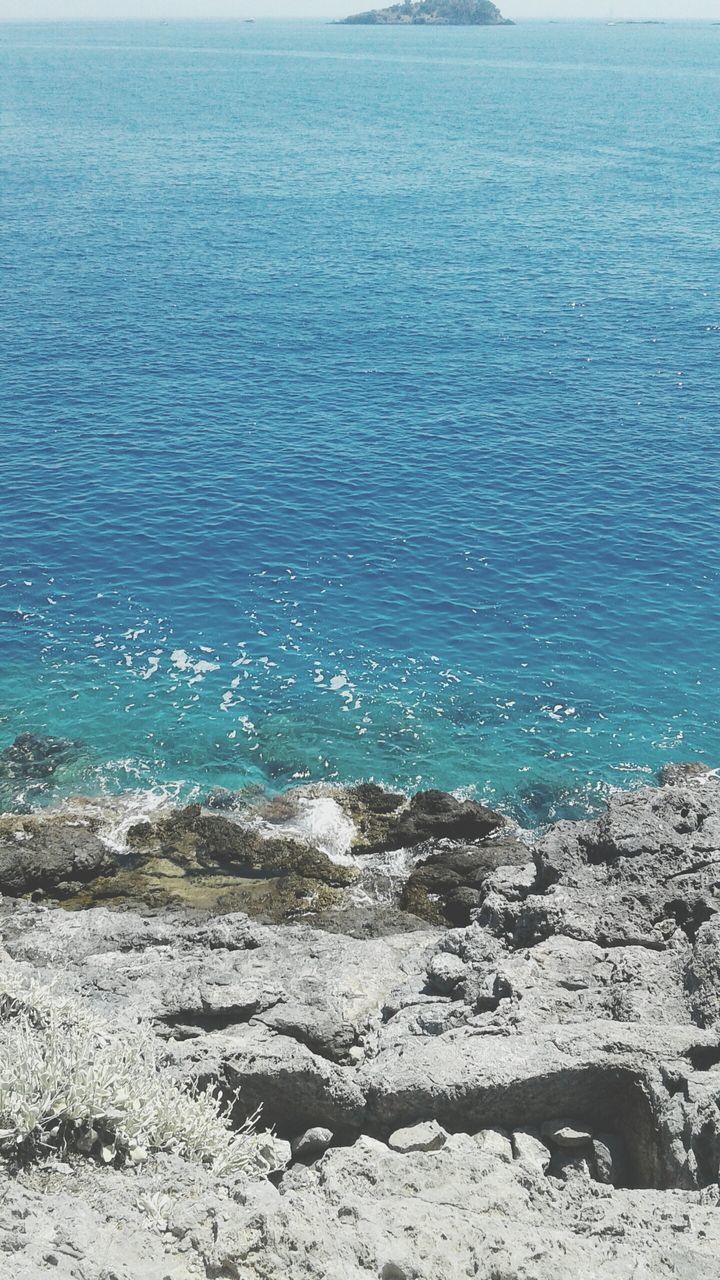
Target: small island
{"points": [[434, 13]]}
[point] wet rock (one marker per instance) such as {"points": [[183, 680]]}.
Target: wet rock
{"points": [[447, 885], [671, 775], [384, 824], [419, 1137], [223, 800], [371, 809], [34, 756], [44, 852], [210, 862], [196, 840], [434, 815], [311, 1143]]}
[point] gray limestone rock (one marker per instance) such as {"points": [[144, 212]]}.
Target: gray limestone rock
{"points": [[587, 986], [610, 1160], [311, 1143], [564, 1133], [419, 1137], [495, 1143], [444, 972], [529, 1150]]}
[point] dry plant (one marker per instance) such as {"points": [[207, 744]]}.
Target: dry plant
{"points": [[72, 1082]]}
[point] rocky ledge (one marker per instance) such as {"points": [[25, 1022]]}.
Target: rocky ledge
{"points": [[433, 13], [533, 1095]]}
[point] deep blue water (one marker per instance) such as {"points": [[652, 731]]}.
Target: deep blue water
{"points": [[360, 403]]}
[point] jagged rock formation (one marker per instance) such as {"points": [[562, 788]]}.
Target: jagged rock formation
{"points": [[560, 1053], [225, 861], [436, 13]]}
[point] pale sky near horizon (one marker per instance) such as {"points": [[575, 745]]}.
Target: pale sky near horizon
{"points": [[62, 10]]}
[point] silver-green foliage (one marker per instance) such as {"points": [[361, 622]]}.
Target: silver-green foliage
{"points": [[69, 1081]]}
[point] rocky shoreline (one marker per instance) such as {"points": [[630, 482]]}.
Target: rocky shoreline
{"points": [[482, 1054]]}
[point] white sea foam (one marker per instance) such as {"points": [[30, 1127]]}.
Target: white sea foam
{"points": [[117, 814], [383, 875], [321, 822]]}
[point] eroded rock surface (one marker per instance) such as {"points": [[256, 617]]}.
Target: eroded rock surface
{"points": [[560, 1054], [387, 821]]}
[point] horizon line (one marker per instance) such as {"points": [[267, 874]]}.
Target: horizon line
{"points": [[137, 21]]}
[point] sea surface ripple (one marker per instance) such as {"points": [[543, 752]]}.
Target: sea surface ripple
{"points": [[360, 410]]}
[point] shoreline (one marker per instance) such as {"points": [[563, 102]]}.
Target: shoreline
{"points": [[40, 772], [550, 1064], [344, 858]]}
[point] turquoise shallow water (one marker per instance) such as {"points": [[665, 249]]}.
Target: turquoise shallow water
{"points": [[360, 409]]}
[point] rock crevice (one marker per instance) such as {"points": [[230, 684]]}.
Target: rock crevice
{"points": [[560, 1053]]}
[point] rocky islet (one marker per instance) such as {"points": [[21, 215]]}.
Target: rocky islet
{"points": [[434, 13]]}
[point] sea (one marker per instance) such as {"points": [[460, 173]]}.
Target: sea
{"points": [[360, 407]]}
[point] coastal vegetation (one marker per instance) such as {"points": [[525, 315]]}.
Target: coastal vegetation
{"points": [[434, 13], [71, 1083]]}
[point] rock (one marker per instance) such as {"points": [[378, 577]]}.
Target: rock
{"points": [[419, 1137], [495, 1143], [371, 809], [635, 875], [586, 986], [445, 972], [429, 815], [311, 1143], [366, 920], [703, 978], [530, 1151], [672, 775], [447, 884], [433, 815], [570, 1166], [276, 1152], [210, 861], [563, 1133], [222, 799], [359, 1214], [610, 1159], [45, 851], [196, 840], [459, 905]]}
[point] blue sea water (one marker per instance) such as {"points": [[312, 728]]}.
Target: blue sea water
{"points": [[360, 404]]}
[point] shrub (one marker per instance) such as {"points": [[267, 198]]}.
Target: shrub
{"points": [[71, 1082]]}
